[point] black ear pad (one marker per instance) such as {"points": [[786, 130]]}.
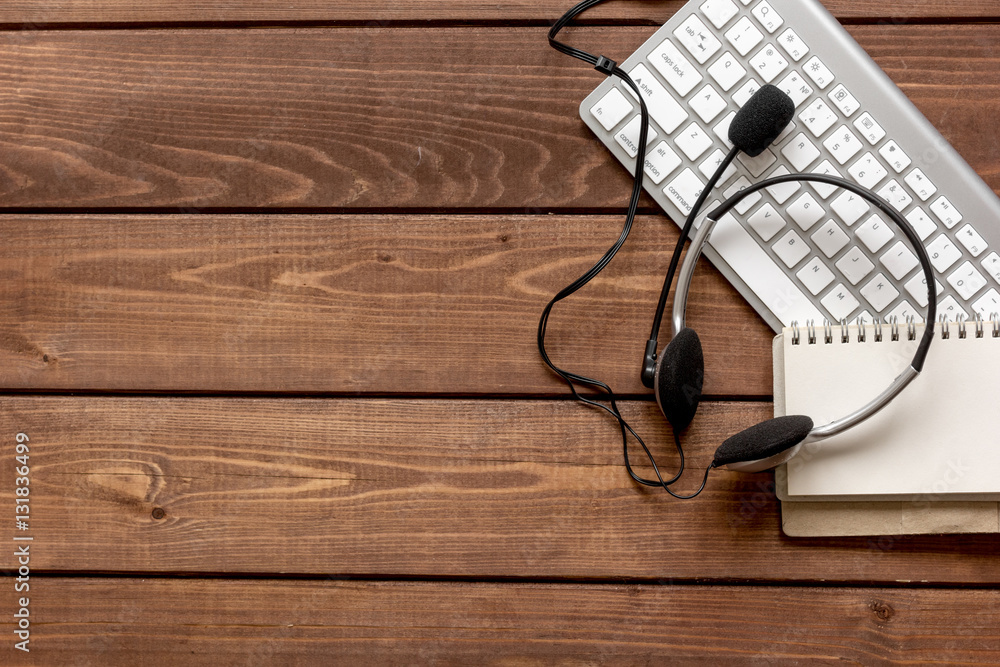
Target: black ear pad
{"points": [[680, 373], [763, 440]]}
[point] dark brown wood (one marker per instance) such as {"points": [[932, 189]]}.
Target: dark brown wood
{"points": [[373, 118], [211, 622], [384, 304], [389, 488], [104, 12]]}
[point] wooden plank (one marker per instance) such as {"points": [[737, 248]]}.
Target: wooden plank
{"points": [[415, 488], [485, 118], [212, 622], [109, 12], [385, 304]]}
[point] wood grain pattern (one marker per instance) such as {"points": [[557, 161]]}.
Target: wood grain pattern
{"points": [[486, 118], [389, 488], [384, 304], [209, 622], [40, 12]]}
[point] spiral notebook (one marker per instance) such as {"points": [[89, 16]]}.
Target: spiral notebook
{"points": [[928, 462]]}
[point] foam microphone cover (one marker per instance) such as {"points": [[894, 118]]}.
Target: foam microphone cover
{"points": [[679, 378], [761, 120], [764, 440]]}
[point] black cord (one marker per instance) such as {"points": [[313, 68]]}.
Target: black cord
{"points": [[610, 68], [649, 358]]}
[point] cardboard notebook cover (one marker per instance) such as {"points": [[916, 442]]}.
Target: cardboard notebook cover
{"points": [[861, 515]]}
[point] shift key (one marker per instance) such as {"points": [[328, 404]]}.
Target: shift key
{"points": [[662, 106]]}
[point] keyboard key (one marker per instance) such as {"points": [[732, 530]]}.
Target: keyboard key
{"points": [[895, 194], [768, 18], [843, 100], [719, 12], [988, 304], [879, 292], [916, 287], [766, 222], [783, 192], [840, 302], [757, 165], [768, 63], [943, 253], [722, 129], [899, 260], [850, 207], [796, 88], [793, 45], [805, 211], [823, 189], [992, 266], [746, 91], [697, 39], [661, 162], [830, 238], [684, 190], [843, 144], [946, 212], [675, 68], [749, 201], [855, 265], [921, 223], [818, 72], [967, 281], [628, 136], [818, 117], [663, 108], [791, 249], [869, 129], [921, 184], [815, 275], [868, 171], [875, 233], [708, 104], [760, 273], [972, 241], [612, 108], [727, 71], [744, 36], [710, 165], [895, 157], [800, 152], [693, 140], [904, 310], [950, 308]]}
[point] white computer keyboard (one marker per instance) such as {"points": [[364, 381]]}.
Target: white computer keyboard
{"points": [[805, 251]]}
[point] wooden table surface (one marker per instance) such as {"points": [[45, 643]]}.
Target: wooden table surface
{"points": [[269, 283]]}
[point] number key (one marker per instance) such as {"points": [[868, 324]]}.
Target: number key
{"points": [[818, 117], [744, 36]]}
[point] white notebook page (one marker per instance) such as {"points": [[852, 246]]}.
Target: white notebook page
{"points": [[940, 436]]}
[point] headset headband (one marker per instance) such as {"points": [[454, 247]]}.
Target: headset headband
{"points": [[694, 252]]}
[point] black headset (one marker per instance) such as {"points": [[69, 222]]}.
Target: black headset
{"points": [[676, 376]]}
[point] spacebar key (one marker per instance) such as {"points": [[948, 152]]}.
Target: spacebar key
{"points": [[755, 268]]}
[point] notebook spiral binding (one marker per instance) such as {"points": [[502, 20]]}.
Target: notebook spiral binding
{"points": [[893, 324]]}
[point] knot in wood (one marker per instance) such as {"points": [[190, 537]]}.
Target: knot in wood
{"points": [[883, 610]]}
